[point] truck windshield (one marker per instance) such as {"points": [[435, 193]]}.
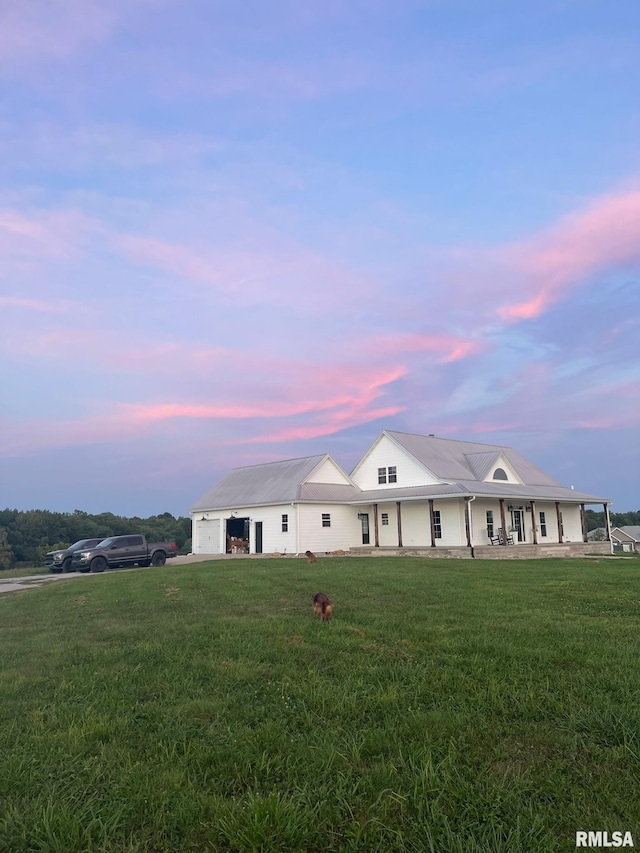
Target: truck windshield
{"points": [[81, 544], [105, 543]]}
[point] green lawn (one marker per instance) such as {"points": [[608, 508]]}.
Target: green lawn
{"points": [[454, 706]]}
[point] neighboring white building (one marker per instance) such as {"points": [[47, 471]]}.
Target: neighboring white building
{"points": [[432, 494]]}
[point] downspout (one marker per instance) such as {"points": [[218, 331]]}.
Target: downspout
{"points": [[295, 506]]}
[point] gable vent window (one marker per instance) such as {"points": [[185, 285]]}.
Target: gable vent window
{"points": [[500, 474], [387, 475]]}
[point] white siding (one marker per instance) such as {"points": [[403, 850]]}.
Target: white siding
{"points": [[274, 539], [387, 534], [416, 525], [384, 454], [328, 472], [345, 529]]}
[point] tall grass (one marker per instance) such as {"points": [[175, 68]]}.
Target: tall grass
{"points": [[449, 706]]}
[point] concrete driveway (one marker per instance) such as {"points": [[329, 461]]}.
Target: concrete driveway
{"points": [[36, 581]]}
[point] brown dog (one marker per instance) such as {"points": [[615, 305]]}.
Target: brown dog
{"points": [[310, 557], [322, 606]]}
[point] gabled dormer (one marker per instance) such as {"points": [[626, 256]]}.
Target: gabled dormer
{"points": [[388, 465], [492, 467]]}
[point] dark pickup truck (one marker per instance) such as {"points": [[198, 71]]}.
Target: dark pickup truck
{"points": [[60, 561], [118, 551]]}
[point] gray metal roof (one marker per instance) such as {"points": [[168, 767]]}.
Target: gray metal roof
{"points": [[500, 489], [259, 485], [468, 488], [328, 493], [450, 459], [462, 463]]}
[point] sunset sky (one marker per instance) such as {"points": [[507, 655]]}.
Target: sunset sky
{"points": [[232, 233]]}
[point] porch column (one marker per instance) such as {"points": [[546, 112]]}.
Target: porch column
{"points": [[432, 524], [583, 522], [607, 521], [467, 521], [375, 525], [399, 524], [503, 523], [559, 520], [534, 526]]}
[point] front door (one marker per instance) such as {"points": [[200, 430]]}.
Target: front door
{"points": [[364, 521], [258, 537], [518, 523]]}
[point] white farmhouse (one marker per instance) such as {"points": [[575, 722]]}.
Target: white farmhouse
{"points": [[408, 494]]}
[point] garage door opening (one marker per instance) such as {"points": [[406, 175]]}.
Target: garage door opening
{"points": [[237, 536]]}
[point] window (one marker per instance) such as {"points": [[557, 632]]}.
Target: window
{"points": [[543, 524], [490, 523], [437, 524], [500, 474], [385, 519], [382, 475], [285, 523], [392, 474], [387, 475], [326, 519]]}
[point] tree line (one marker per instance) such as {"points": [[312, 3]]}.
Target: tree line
{"points": [[618, 519], [27, 535]]}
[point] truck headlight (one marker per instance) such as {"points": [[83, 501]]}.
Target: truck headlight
{"points": [[85, 555]]}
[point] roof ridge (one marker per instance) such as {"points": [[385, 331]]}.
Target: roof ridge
{"points": [[279, 461], [443, 438]]}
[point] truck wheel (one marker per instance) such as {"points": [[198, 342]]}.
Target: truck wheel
{"points": [[66, 565], [159, 559], [98, 565]]}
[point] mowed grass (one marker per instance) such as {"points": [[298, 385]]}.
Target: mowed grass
{"points": [[449, 706]]}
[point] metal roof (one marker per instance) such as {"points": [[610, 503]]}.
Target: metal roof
{"points": [[461, 464], [450, 459], [259, 485]]}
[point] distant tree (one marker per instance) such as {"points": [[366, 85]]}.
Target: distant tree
{"points": [[6, 555], [28, 535]]}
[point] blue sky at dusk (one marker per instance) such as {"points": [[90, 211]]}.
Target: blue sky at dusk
{"points": [[234, 233]]}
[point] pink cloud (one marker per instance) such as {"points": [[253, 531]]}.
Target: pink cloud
{"points": [[605, 235], [43, 234], [342, 396], [449, 348], [271, 271]]}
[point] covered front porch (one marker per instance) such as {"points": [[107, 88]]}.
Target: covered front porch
{"points": [[456, 525]]}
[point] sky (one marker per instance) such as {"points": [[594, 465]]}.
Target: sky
{"points": [[232, 233]]}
